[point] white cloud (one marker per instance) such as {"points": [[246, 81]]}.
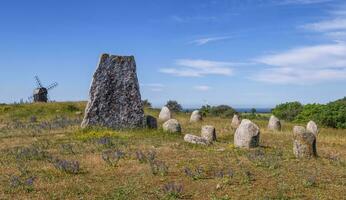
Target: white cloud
{"points": [[202, 88], [305, 2], [305, 65], [155, 87], [190, 19], [200, 68], [334, 27], [335, 24], [203, 41], [320, 56]]}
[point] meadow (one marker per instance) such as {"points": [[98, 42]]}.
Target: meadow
{"points": [[45, 155]]}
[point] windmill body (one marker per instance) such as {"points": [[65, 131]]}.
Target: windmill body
{"points": [[41, 93]]}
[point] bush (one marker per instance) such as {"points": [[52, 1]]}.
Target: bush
{"points": [[335, 115], [311, 112], [332, 114], [146, 103], [288, 111], [174, 106], [217, 111]]}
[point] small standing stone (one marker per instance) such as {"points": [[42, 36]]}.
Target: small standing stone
{"points": [[312, 127], [304, 143], [274, 124], [172, 126], [165, 114], [195, 139], [151, 122], [247, 135], [196, 116], [235, 121], [208, 133]]}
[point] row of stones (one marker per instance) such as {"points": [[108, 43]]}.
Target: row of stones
{"points": [[247, 133]]}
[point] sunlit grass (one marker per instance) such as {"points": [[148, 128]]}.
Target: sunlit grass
{"points": [[218, 171]]}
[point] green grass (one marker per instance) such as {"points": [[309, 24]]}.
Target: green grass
{"points": [[267, 172]]}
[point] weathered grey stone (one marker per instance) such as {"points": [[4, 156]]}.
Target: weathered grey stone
{"points": [[196, 116], [172, 126], [247, 135], [165, 114], [195, 139], [115, 99], [312, 127], [235, 121], [274, 124], [208, 132], [304, 143], [151, 122]]}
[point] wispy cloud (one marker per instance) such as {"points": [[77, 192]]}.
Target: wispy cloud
{"points": [[203, 41], [305, 65], [202, 88], [155, 87], [190, 19], [200, 68], [335, 24], [333, 27], [304, 2]]}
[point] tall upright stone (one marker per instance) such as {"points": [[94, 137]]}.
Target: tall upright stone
{"points": [[115, 100], [209, 133], [274, 124], [304, 143], [247, 135]]}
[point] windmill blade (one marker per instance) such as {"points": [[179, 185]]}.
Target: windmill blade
{"points": [[51, 86], [31, 98], [38, 82]]}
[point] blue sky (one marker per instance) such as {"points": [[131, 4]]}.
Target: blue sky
{"points": [[244, 53]]}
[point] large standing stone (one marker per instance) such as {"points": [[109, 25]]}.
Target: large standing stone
{"points": [[208, 133], [304, 143], [235, 121], [312, 127], [165, 114], [172, 126], [115, 99], [274, 124], [151, 122], [196, 116], [195, 139], [247, 135]]}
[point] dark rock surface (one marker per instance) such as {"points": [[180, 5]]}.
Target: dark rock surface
{"points": [[151, 122], [115, 100]]}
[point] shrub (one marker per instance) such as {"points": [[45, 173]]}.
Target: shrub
{"points": [[311, 112], [332, 114], [288, 111], [217, 111], [174, 106], [71, 167], [146, 103]]}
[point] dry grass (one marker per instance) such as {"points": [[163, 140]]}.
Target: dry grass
{"points": [[267, 172]]}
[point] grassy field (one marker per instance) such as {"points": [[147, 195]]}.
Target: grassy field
{"points": [[45, 155]]}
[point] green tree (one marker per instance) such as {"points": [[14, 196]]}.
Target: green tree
{"points": [[174, 106], [288, 111], [146, 103], [218, 111]]}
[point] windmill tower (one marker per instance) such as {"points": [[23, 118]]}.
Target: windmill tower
{"points": [[41, 92]]}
